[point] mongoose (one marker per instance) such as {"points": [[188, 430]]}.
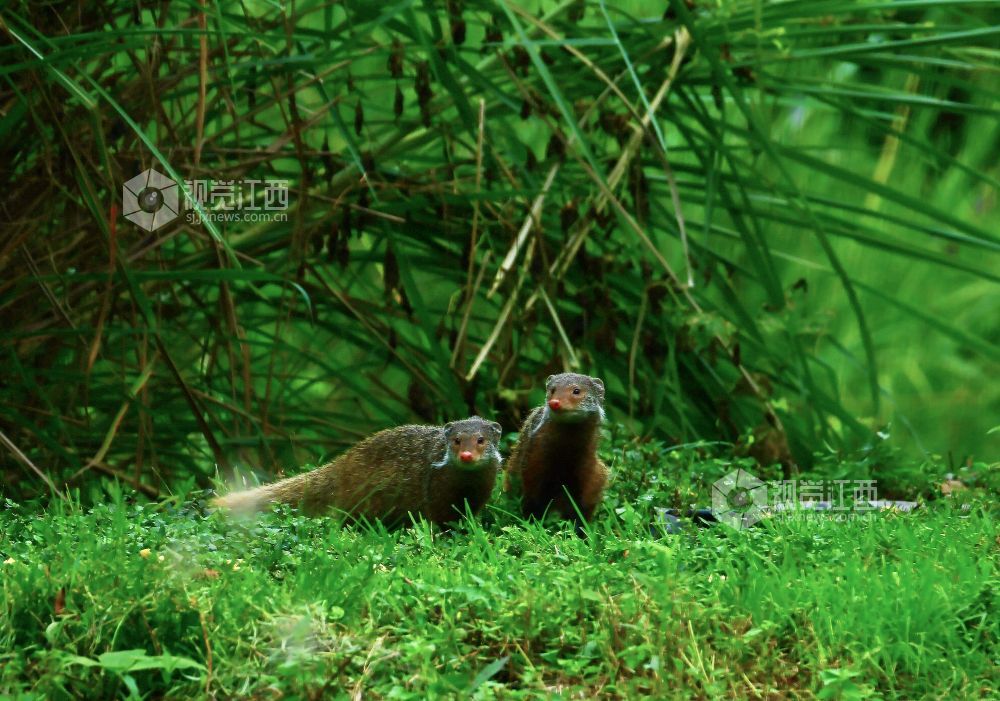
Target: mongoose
{"points": [[429, 471], [556, 453]]}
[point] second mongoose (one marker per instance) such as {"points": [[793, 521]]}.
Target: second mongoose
{"points": [[428, 471], [555, 458]]}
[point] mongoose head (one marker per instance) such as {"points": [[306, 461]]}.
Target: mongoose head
{"points": [[471, 444], [571, 397]]}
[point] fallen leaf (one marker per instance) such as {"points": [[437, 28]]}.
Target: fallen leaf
{"points": [[952, 485]]}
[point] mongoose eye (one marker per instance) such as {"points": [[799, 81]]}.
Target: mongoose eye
{"points": [[576, 390], [457, 440], [480, 440]]}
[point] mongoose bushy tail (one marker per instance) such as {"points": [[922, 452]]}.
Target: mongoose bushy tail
{"points": [[555, 458], [429, 471]]}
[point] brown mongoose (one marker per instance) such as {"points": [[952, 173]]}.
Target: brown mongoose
{"points": [[555, 457], [429, 471]]}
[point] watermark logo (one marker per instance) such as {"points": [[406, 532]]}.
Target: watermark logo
{"points": [[150, 200], [739, 499]]}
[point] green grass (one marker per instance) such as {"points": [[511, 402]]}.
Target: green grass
{"points": [[901, 606]]}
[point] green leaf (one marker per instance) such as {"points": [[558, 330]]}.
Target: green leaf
{"points": [[487, 673]]}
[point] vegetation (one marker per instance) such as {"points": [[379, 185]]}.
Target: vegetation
{"points": [[770, 227], [751, 219], [144, 600]]}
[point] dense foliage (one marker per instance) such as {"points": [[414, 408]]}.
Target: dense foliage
{"points": [[770, 224]]}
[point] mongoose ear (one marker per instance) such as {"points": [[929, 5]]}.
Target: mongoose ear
{"points": [[448, 426], [599, 384], [548, 380], [496, 429]]}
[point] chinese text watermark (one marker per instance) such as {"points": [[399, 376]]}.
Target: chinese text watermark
{"points": [[249, 200], [150, 200], [740, 499]]}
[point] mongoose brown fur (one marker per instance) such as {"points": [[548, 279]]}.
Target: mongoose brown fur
{"points": [[555, 458], [429, 471]]}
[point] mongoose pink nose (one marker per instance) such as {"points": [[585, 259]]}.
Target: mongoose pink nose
{"points": [[554, 404], [466, 456]]}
